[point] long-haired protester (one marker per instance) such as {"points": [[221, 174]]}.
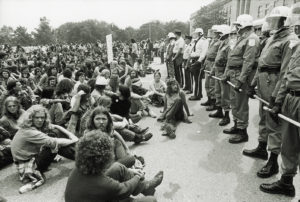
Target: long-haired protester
{"points": [[158, 89], [52, 71], [14, 88], [12, 110], [97, 178], [174, 106], [129, 132], [5, 150], [57, 100], [100, 119], [33, 150]]}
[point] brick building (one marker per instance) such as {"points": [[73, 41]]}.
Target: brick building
{"points": [[258, 9]]}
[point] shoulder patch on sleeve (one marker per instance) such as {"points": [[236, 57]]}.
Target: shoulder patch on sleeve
{"points": [[251, 42], [293, 43]]}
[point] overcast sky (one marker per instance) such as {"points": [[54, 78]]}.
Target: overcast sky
{"points": [[123, 13]]}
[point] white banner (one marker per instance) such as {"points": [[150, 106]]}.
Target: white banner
{"points": [[110, 55]]}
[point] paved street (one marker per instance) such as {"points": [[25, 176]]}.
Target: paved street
{"points": [[199, 165]]}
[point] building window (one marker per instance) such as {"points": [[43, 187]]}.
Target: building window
{"points": [[266, 9], [284, 2], [259, 12]]}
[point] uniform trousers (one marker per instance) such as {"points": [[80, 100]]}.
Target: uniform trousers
{"points": [[269, 129], [290, 149], [222, 91], [209, 82]]}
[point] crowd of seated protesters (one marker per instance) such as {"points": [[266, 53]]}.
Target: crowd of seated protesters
{"points": [[57, 99]]}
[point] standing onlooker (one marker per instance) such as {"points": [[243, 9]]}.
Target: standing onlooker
{"points": [[162, 49], [187, 73], [177, 57], [134, 51], [155, 48], [149, 50], [169, 52]]}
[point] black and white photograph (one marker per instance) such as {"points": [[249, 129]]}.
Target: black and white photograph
{"points": [[149, 100]]}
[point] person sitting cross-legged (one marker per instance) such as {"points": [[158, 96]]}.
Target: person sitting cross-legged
{"points": [[97, 178]]}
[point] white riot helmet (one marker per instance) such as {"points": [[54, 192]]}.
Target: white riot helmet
{"points": [[171, 35], [277, 17], [243, 21], [199, 30], [214, 28], [293, 18], [224, 29]]}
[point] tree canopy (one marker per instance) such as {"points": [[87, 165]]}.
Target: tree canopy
{"points": [[210, 15], [88, 31]]}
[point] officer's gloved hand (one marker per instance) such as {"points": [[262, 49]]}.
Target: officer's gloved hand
{"points": [[272, 102], [197, 63], [210, 74], [274, 112], [238, 86], [251, 92], [224, 79]]}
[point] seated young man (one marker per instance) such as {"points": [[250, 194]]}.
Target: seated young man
{"points": [[95, 178], [33, 149]]}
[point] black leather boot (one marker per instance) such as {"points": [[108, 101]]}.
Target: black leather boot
{"points": [[225, 120], [232, 130], [207, 103], [283, 186], [212, 106], [194, 98], [242, 136], [138, 129], [149, 186], [217, 114], [142, 138], [259, 152], [271, 168]]}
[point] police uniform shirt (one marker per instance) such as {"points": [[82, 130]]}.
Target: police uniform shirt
{"points": [[187, 51], [222, 54], [179, 44], [276, 54], [212, 50], [291, 79], [244, 54], [199, 49]]}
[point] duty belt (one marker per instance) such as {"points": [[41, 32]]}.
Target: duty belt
{"points": [[235, 67], [211, 59], [294, 92], [269, 69], [195, 59]]}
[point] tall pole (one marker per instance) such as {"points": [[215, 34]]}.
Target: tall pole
{"points": [[150, 31]]}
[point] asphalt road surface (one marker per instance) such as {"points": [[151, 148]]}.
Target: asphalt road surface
{"points": [[199, 165]]}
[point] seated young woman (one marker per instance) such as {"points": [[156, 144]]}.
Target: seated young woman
{"points": [[174, 106], [134, 83], [100, 119], [129, 131], [12, 110], [157, 90], [33, 149], [130, 105], [97, 177]]}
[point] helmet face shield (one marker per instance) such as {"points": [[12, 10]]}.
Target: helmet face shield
{"points": [[294, 16], [275, 23], [294, 19], [297, 29]]}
